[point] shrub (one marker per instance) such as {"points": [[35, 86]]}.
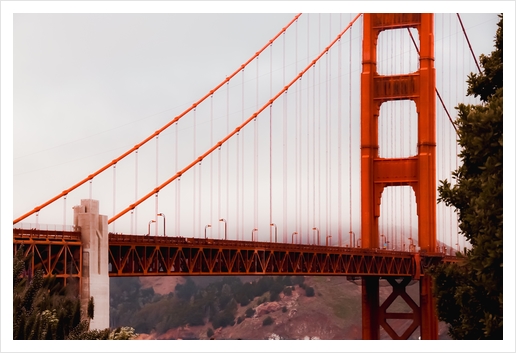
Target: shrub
{"points": [[209, 333], [240, 319], [284, 309], [249, 312], [287, 291], [268, 321], [309, 291]]}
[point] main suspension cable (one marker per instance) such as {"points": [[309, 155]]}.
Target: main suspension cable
{"points": [[157, 132], [237, 129]]}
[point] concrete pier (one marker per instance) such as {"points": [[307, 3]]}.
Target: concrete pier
{"points": [[95, 245]]}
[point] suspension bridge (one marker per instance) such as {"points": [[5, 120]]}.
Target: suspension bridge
{"points": [[318, 155]]}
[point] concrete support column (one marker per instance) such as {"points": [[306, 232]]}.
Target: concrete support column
{"points": [[95, 246]]}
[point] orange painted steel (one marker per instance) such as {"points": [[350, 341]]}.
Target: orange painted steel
{"points": [[236, 131], [132, 255], [418, 171], [57, 253], [157, 132]]}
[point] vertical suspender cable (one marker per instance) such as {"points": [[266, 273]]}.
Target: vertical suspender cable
{"points": [[136, 190], [211, 160], [157, 184], [319, 129], [114, 193], [350, 132], [285, 101], [328, 231], [179, 206], [296, 150], [270, 172], [256, 151], [194, 188], [339, 138], [329, 134], [227, 154], [243, 158], [313, 152], [178, 203], [270, 145], [308, 130], [284, 150], [199, 199], [219, 211], [238, 187]]}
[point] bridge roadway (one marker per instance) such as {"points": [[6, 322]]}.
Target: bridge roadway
{"points": [[60, 253]]}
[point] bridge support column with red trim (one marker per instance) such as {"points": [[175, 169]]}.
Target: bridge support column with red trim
{"points": [[95, 247], [417, 171]]}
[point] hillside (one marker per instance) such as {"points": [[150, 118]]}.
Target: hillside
{"points": [[333, 312]]}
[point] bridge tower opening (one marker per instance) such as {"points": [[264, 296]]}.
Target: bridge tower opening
{"points": [[418, 172]]}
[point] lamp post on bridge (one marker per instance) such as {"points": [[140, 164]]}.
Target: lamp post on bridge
{"points": [[351, 244], [252, 233], [318, 235], [295, 233], [225, 228], [205, 228], [383, 242], [275, 232], [411, 245], [164, 222], [328, 237], [148, 229]]}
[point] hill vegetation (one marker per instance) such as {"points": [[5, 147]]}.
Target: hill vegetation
{"points": [[256, 308], [192, 305]]}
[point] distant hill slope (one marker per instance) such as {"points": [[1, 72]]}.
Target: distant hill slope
{"points": [[333, 312]]}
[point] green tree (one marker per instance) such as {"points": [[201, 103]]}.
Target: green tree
{"points": [[310, 292], [469, 295], [42, 309], [267, 321]]}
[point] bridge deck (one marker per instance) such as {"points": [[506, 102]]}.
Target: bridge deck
{"points": [[131, 255], [59, 253]]}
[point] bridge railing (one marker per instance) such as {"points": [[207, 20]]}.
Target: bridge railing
{"points": [[47, 234], [48, 227]]}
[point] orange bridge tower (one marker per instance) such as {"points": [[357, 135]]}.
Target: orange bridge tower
{"points": [[417, 171]]}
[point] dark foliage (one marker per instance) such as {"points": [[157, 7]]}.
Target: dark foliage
{"points": [[192, 304], [268, 321], [249, 312], [470, 295], [43, 309], [310, 292]]}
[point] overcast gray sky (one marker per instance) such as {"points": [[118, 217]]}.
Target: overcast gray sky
{"points": [[89, 86]]}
